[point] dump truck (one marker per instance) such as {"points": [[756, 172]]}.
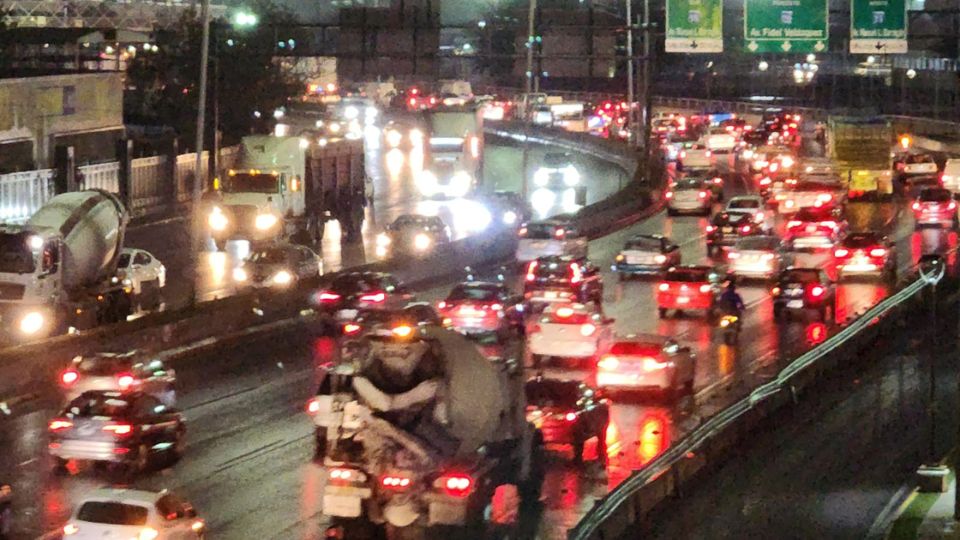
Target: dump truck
{"points": [[425, 431], [288, 188], [453, 164], [860, 147], [59, 269]]}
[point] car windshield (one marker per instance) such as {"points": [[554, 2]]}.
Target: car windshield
{"points": [[642, 243], [104, 366], [410, 221], [732, 218], [552, 270], [269, 256], [861, 240], [112, 513], [110, 405], [15, 255], [350, 284], [688, 275], [760, 243], [743, 204], [635, 348], [540, 231], [547, 393], [935, 195], [472, 293], [801, 276], [556, 160], [251, 183], [920, 158], [689, 184]]}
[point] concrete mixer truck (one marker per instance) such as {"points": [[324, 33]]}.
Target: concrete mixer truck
{"points": [[422, 431], [59, 270]]}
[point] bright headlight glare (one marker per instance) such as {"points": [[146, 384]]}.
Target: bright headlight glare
{"points": [[541, 178], [421, 242], [217, 220], [383, 240], [31, 323], [265, 221], [427, 182], [571, 176], [240, 275], [509, 217], [334, 127], [282, 277], [351, 113], [460, 184], [394, 138], [416, 136]]}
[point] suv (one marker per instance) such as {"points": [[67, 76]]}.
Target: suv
{"points": [[562, 279], [549, 237]]}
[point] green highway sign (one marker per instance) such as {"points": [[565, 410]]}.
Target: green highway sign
{"points": [[785, 26], [878, 26], [694, 26]]}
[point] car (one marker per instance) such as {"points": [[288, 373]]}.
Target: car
{"points": [[121, 428], [950, 178], [398, 134], [916, 164], [119, 372], [510, 207], [350, 292], [865, 253], [695, 156], [120, 512], [547, 238], [934, 206], [757, 257], [688, 287], [752, 205], [568, 412], [815, 228], [482, 308], [279, 266], [801, 290], [644, 362], [689, 195], [413, 314], [809, 191], [142, 272], [645, 254], [711, 178], [567, 330], [561, 279], [726, 228], [412, 234], [557, 172]]}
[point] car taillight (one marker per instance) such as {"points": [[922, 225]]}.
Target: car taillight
{"points": [[570, 416], [608, 363], [413, 101], [952, 206], [442, 305], [119, 430], [342, 476], [59, 424], [793, 223], [496, 307], [668, 194], [708, 153], [664, 287], [765, 181], [660, 259], [576, 275], [746, 229], [531, 271], [718, 180], [350, 329], [916, 205], [702, 194], [829, 223], [824, 197], [652, 364], [711, 228], [587, 329], [456, 485], [375, 298], [733, 255], [878, 252], [395, 482], [817, 291], [126, 380], [705, 288], [683, 153], [313, 406], [327, 297], [775, 291], [841, 253], [559, 233], [69, 377], [766, 257]]}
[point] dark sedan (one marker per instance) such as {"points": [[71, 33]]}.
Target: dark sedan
{"points": [[568, 412]]}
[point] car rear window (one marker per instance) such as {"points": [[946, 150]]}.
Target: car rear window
{"points": [[107, 405], [801, 276], [269, 256], [643, 244], [539, 231], [556, 160], [747, 204], [935, 195], [861, 240], [689, 183], [552, 270], [635, 349], [688, 275], [472, 293], [552, 393], [919, 159], [112, 513], [758, 243], [104, 366]]}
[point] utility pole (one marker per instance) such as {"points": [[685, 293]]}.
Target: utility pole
{"points": [[631, 112], [645, 110], [531, 28], [197, 223]]}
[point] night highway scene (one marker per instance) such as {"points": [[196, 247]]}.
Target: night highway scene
{"points": [[479, 269]]}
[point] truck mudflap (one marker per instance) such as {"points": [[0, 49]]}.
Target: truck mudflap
{"points": [[864, 183], [401, 514], [445, 510], [345, 501]]}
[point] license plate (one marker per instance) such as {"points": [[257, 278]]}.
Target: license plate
{"points": [[795, 304], [811, 228], [342, 505], [550, 294], [683, 300], [727, 229], [347, 314]]}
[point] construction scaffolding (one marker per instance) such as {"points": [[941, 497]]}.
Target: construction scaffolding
{"points": [[140, 15]]}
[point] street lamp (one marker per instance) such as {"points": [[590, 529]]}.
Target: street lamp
{"points": [[763, 66], [245, 19]]}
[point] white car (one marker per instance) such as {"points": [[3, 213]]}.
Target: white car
{"points": [[547, 238], [950, 179], [142, 269], [133, 514], [919, 165], [696, 156], [645, 361], [568, 331], [752, 205]]}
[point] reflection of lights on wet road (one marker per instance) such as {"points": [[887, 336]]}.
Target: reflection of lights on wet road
{"points": [[542, 201], [816, 332], [416, 160], [569, 200], [652, 439], [395, 160], [726, 358], [217, 269]]}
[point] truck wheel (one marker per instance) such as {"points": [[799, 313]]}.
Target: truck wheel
{"points": [[662, 313]]}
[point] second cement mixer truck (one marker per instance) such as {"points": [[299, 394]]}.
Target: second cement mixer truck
{"points": [[59, 270]]}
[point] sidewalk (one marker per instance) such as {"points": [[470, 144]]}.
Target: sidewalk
{"points": [[925, 516]]}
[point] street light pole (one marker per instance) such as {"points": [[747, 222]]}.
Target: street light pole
{"points": [[645, 110], [531, 28], [198, 166], [631, 113]]}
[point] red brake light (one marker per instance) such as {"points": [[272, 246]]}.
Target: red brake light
{"points": [[351, 328], [733, 255], [376, 298], [829, 223], [343, 476], [664, 287], [59, 425], [718, 180], [559, 233], [793, 223], [496, 307], [817, 291], [916, 205], [668, 194], [313, 406], [746, 229], [119, 430], [683, 153], [711, 228], [705, 289], [413, 101], [576, 275], [69, 377], [952, 205], [531, 270], [709, 153], [564, 312], [328, 297], [126, 380], [570, 416], [587, 329], [660, 259], [702, 194], [456, 485], [765, 181], [442, 305], [878, 252], [395, 482], [842, 252], [608, 363]]}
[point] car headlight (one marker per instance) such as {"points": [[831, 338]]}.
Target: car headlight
{"points": [[541, 178], [383, 240], [240, 275], [509, 217], [217, 220], [282, 277], [427, 182], [460, 184], [571, 176], [335, 127], [747, 154], [31, 323], [421, 242], [265, 222], [351, 113], [394, 138], [416, 137]]}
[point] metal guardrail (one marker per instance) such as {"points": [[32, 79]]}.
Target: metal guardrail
{"points": [[612, 503]]}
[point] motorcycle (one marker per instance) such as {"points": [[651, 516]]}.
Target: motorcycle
{"points": [[730, 326]]}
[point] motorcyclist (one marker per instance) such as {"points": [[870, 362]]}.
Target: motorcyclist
{"points": [[6, 509], [731, 303]]}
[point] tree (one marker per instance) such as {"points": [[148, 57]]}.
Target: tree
{"points": [[163, 85]]}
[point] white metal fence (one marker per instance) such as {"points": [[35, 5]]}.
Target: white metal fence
{"points": [[22, 193], [105, 176]]}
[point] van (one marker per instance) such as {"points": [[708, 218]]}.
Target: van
{"points": [[950, 178]]}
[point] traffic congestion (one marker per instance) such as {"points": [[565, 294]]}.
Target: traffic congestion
{"points": [[535, 384]]}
